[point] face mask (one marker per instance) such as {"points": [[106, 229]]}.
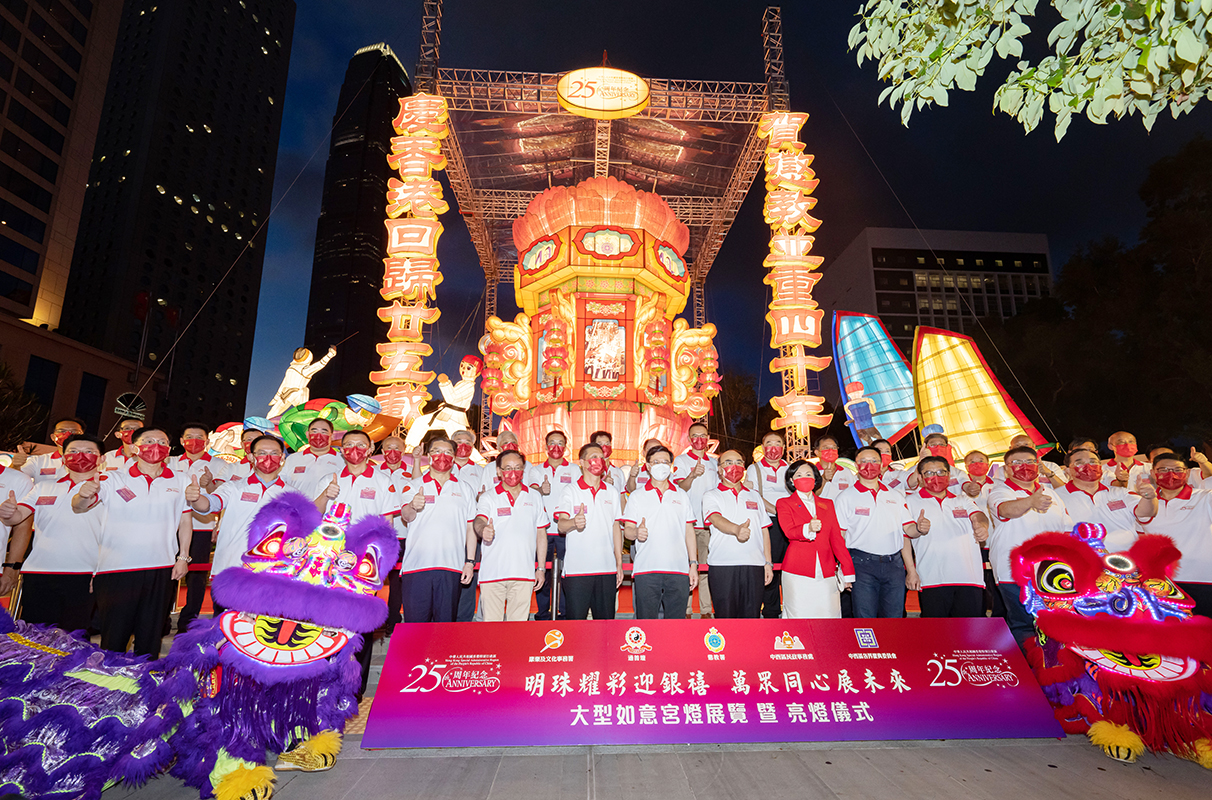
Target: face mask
{"points": [[81, 462], [805, 484], [943, 451], [607, 450], [1171, 481], [509, 447], [885, 459], [153, 453], [555, 451], [511, 477], [318, 439], [269, 464], [597, 466], [1125, 450], [733, 473], [936, 484], [828, 456], [978, 469], [393, 457], [193, 446], [1027, 473], [1091, 473], [773, 453], [59, 437], [660, 472], [869, 470], [441, 462], [354, 454], [125, 436], [698, 443], [462, 450]]}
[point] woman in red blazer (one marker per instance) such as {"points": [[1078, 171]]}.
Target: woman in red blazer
{"points": [[811, 588]]}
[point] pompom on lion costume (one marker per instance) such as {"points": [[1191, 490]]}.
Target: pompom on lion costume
{"points": [[1119, 654], [275, 673]]}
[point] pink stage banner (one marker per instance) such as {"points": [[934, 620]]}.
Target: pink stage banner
{"points": [[704, 681]]}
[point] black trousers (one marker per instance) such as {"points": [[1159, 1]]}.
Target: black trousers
{"points": [[431, 595], [1201, 593], [952, 601], [467, 594], [394, 598], [993, 596], [772, 603], [586, 593], [195, 580], [132, 604], [660, 594], [736, 592], [555, 544], [63, 600]]}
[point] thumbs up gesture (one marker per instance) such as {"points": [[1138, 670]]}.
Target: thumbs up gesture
{"points": [[208, 479], [698, 470], [579, 520], [742, 532], [1121, 474], [418, 501], [641, 531], [193, 491], [9, 507], [980, 530], [1145, 488], [1042, 502], [545, 489], [972, 488], [635, 469], [89, 489], [488, 533], [333, 491], [923, 524]]}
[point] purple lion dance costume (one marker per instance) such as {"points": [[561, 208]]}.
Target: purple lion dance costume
{"points": [[275, 673]]}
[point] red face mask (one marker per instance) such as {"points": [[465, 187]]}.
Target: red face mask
{"points": [[733, 473], [1125, 450], [269, 464], [81, 462], [354, 454], [597, 466], [1026, 473], [509, 447], [555, 451], [885, 459], [698, 443], [936, 484], [1092, 473], [193, 446], [125, 436], [512, 477], [153, 453], [828, 456], [606, 450], [978, 469], [773, 453], [943, 451], [1171, 481], [393, 457], [869, 470], [319, 439], [805, 484], [462, 450], [59, 437], [441, 462]]}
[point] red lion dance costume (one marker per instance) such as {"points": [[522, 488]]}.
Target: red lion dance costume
{"points": [[1118, 654]]}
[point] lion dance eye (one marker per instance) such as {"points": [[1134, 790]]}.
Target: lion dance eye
{"points": [[1055, 577], [1164, 589]]}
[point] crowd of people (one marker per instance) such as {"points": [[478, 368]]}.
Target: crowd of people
{"points": [[100, 539]]}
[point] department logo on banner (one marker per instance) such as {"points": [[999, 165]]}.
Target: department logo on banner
{"points": [[789, 642], [866, 638], [635, 643], [714, 642]]}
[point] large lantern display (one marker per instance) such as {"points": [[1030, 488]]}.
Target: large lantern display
{"points": [[600, 279]]}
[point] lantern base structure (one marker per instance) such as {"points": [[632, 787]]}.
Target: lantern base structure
{"points": [[630, 424]]}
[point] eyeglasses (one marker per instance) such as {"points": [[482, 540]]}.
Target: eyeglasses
{"points": [[262, 453], [1020, 463], [1170, 470], [934, 473]]}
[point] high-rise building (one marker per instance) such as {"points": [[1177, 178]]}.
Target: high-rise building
{"points": [[944, 279], [54, 59], [351, 240], [179, 192]]}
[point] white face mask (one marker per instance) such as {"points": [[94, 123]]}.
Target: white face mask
{"points": [[660, 472]]}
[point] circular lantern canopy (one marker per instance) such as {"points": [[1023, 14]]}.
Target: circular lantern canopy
{"points": [[602, 93]]}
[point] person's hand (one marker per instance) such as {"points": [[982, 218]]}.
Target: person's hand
{"points": [[694, 577], [913, 581], [418, 501], [923, 524], [814, 526], [193, 491], [334, 489], [89, 489], [1040, 501], [742, 532], [1198, 457], [980, 531], [698, 470], [208, 480], [635, 470], [540, 575], [332, 351], [21, 455], [468, 571], [768, 575], [579, 521], [488, 532], [618, 577], [545, 488], [1144, 488], [8, 508], [828, 471], [972, 488], [641, 530], [1121, 475], [180, 568], [8, 581]]}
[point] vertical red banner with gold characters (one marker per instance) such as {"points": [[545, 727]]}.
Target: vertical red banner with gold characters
{"points": [[795, 320], [411, 271]]}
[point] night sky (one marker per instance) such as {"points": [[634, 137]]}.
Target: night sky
{"points": [[962, 167]]}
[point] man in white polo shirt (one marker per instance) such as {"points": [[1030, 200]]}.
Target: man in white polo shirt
{"points": [[243, 469], [59, 570], [309, 468], [14, 484], [144, 545], [366, 490], [49, 466], [696, 472], [1088, 499], [195, 462], [767, 476], [659, 519], [469, 473], [616, 475], [393, 465], [557, 475], [123, 455], [439, 510], [587, 514], [871, 515], [1185, 515], [836, 477], [943, 550], [512, 524], [739, 559], [1022, 506]]}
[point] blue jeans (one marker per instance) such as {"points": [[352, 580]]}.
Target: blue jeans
{"points": [[879, 585], [1022, 624]]}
